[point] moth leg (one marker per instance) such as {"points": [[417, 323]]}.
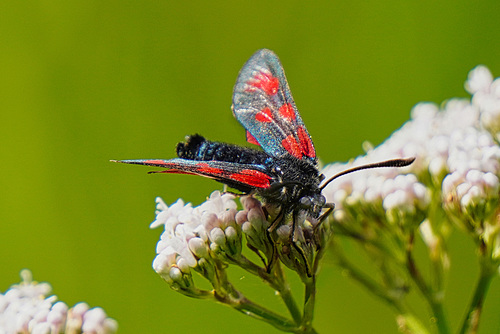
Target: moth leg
{"points": [[256, 251], [299, 249], [279, 218], [225, 191], [233, 193], [330, 207]]}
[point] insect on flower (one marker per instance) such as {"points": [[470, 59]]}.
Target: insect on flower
{"points": [[285, 172]]}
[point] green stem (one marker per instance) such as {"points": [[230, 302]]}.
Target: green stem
{"points": [[253, 268], [286, 294], [196, 293], [227, 294], [251, 309], [440, 316], [240, 303], [277, 281], [435, 304], [309, 301], [470, 324]]}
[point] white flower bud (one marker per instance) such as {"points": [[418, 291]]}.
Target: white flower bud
{"points": [[198, 247], [160, 264], [257, 218], [250, 202], [41, 328], [479, 80], [231, 233], [183, 265], [491, 182], [241, 217], [175, 274], [218, 237], [247, 228], [210, 221]]}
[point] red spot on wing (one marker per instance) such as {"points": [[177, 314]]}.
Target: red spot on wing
{"points": [[266, 82], [290, 144], [252, 178], [157, 162], [264, 116], [251, 139], [286, 110], [306, 144], [205, 168]]}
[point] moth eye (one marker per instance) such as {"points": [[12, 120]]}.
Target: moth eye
{"points": [[321, 200], [305, 201]]}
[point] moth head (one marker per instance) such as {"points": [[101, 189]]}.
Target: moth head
{"points": [[313, 204]]}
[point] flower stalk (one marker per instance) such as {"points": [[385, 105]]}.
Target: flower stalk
{"points": [[470, 324]]}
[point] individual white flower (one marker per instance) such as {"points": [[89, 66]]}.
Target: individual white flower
{"points": [[170, 216], [218, 238], [479, 80], [198, 247], [217, 203], [75, 317], [95, 321]]}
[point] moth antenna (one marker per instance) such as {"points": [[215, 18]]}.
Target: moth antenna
{"points": [[387, 163]]}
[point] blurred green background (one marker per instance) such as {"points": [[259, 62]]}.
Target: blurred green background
{"points": [[82, 82]]}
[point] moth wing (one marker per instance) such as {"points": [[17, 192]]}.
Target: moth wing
{"points": [[263, 104], [243, 177]]}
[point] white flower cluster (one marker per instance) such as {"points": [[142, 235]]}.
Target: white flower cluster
{"points": [[455, 143], [190, 231], [27, 308], [208, 237]]}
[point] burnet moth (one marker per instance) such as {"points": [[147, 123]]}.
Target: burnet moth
{"points": [[285, 172]]}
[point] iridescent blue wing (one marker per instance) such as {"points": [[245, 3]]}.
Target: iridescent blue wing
{"points": [[244, 177], [263, 104]]}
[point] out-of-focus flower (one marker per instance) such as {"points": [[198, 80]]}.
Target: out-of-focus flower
{"points": [[454, 182], [486, 98], [457, 164], [27, 308]]}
